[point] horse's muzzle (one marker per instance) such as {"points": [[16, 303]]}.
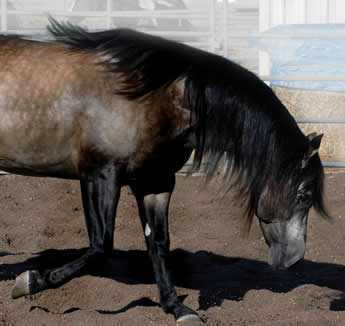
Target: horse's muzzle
{"points": [[282, 257], [286, 241]]}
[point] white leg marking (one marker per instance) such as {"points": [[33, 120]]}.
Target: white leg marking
{"points": [[147, 230], [190, 317]]}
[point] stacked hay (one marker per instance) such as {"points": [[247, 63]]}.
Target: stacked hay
{"points": [[320, 105]]}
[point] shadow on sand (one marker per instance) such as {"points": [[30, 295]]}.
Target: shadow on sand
{"points": [[217, 278]]}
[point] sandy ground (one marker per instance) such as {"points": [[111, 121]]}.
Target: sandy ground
{"points": [[221, 275]]}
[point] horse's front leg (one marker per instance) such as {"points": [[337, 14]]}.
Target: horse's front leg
{"points": [[100, 195], [153, 202]]}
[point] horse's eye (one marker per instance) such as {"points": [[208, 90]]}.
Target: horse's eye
{"points": [[303, 196]]}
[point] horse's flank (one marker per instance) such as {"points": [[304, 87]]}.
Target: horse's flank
{"points": [[61, 117]]}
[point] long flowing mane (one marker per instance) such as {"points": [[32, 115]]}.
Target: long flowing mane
{"points": [[237, 118]]}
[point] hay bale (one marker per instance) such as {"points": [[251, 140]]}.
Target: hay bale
{"points": [[318, 104]]}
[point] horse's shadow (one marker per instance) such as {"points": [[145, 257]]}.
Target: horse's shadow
{"points": [[217, 278]]}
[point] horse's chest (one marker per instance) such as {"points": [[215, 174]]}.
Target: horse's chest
{"points": [[158, 140]]}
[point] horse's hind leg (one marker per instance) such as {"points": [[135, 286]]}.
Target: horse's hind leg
{"points": [[100, 194], [153, 199]]}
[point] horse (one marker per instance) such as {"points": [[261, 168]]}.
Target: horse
{"points": [[121, 108]]}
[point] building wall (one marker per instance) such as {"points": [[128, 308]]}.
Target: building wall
{"points": [[277, 12]]}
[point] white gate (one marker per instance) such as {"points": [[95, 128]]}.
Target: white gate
{"points": [[30, 17]]}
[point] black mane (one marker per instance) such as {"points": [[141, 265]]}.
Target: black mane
{"points": [[240, 121], [148, 62]]}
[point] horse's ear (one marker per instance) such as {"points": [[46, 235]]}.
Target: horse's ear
{"points": [[314, 145], [312, 136]]}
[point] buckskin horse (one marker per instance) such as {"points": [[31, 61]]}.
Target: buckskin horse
{"points": [[120, 107]]}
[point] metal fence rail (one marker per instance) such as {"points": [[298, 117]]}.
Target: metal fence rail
{"points": [[206, 38]]}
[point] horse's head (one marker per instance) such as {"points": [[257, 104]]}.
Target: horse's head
{"points": [[285, 225]]}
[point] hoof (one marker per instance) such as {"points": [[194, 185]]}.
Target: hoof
{"points": [[189, 318], [29, 282]]}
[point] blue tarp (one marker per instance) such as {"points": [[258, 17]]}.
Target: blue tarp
{"points": [[312, 57]]}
